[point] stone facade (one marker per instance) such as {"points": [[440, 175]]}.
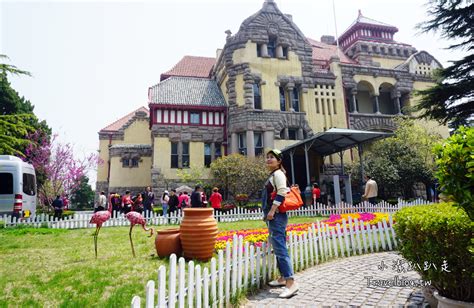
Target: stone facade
{"points": [[274, 121], [383, 123], [189, 133]]}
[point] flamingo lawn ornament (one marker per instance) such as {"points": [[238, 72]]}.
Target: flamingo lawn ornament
{"points": [[99, 218], [136, 218]]}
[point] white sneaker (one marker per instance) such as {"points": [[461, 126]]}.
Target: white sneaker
{"points": [[289, 292], [276, 283]]}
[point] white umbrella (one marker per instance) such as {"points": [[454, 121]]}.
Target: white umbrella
{"points": [[184, 188]]}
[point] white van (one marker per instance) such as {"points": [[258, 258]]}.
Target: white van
{"points": [[17, 187]]}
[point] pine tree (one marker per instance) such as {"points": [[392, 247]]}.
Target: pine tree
{"points": [[12, 69], [451, 99], [83, 196], [17, 118], [13, 131]]}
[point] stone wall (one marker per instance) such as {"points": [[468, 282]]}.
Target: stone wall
{"points": [[364, 50], [189, 133], [132, 150], [258, 120], [374, 122]]}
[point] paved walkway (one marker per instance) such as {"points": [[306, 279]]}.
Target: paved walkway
{"points": [[344, 282]]}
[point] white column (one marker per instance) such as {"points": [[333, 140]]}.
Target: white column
{"points": [[279, 51], [250, 144], [398, 108], [264, 50], [268, 139], [300, 134], [234, 143], [213, 151], [377, 108], [354, 101]]}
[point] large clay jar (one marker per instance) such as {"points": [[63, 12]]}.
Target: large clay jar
{"points": [[168, 242], [198, 232], [444, 302]]}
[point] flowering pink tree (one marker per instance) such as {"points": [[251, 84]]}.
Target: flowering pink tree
{"points": [[37, 153], [62, 170]]}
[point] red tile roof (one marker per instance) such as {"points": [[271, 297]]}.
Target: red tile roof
{"points": [[190, 66], [324, 52], [115, 126]]}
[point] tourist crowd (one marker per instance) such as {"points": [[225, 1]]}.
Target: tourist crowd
{"points": [[171, 201]]}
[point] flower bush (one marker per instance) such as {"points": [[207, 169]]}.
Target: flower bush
{"points": [[227, 206], [259, 236], [367, 218], [242, 199]]}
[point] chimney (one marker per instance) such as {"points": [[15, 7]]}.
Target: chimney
{"points": [[328, 39], [289, 16]]}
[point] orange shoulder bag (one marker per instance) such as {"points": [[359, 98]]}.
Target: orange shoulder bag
{"points": [[292, 201]]}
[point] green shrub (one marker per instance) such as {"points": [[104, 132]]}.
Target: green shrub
{"points": [[392, 200], [68, 213], [438, 233], [455, 173], [158, 210], [252, 206], [44, 210]]}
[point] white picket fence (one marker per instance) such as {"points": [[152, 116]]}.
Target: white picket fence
{"points": [[243, 267], [79, 221]]}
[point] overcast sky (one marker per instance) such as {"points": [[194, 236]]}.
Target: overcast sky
{"points": [[93, 61]]}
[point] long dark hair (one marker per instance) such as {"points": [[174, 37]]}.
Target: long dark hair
{"points": [[281, 166]]}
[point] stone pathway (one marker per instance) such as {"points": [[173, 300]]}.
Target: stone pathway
{"points": [[343, 282]]}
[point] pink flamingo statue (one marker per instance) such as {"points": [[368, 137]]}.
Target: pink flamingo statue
{"points": [[99, 218], [137, 218]]}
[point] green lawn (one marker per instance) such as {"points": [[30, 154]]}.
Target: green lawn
{"points": [[50, 267]]}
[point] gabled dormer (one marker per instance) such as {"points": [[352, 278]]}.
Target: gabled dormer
{"points": [[267, 53]]}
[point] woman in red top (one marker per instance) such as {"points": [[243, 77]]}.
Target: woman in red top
{"points": [[127, 202], [138, 204], [183, 200], [215, 198], [316, 193]]}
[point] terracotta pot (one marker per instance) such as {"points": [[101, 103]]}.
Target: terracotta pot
{"points": [[168, 242], [198, 232], [444, 302]]}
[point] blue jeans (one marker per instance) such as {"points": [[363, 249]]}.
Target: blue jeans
{"points": [[277, 234], [165, 209]]}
